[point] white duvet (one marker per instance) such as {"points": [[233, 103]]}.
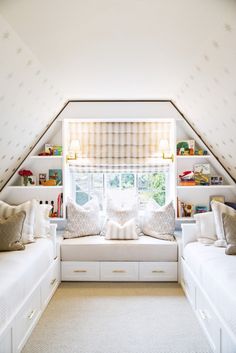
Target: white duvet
{"points": [[19, 273], [217, 274]]}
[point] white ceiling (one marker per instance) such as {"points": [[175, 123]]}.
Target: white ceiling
{"points": [[184, 50]]}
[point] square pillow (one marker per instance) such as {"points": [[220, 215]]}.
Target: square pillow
{"points": [[126, 231], [159, 222], [42, 220], [82, 220], [229, 224], [29, 207], [11, 232], [205, 223], [218, 209]]}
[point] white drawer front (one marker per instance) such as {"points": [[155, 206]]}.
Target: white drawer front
{"points": [[6, 342], [50, 282], [26, 318], [158, 271], [188, 284], [80, 271], [119, 271], [208, 320]]}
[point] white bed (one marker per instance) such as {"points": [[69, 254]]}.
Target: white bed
{"points": [[216, 272], [20, 271]]}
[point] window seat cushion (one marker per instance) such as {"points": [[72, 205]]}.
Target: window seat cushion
{"points": [[97, 248]]}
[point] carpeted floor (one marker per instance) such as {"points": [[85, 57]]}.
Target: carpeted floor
{"points": [[118, 318]]}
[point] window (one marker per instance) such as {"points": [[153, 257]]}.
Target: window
{"points": [[148, 185]]}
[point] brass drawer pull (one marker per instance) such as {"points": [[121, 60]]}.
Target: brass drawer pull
{"points": [[31, 315], [80, 271], [158, 271], [53, 281], [119, 271]]}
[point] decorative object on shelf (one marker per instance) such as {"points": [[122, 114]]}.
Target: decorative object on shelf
{"points": [[185, 147], [218, 198], [49, 182], [187, 178], [55, 174], [165, 150], [42, 178], [60, 205], [74, 150], [184, 209], [201, 209], [216, 180], [202, 173], [48, 149], [27, 178]]}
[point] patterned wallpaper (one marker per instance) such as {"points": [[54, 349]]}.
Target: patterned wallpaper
{"points": [[28, 100], [208, 96]]}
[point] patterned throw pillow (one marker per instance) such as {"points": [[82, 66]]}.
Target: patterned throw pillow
{"points": [[82, 220], [11, 232], [29, 207], [121, 232], [159, 222]]}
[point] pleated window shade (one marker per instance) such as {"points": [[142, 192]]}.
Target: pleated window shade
{"points": [[118, 145]]}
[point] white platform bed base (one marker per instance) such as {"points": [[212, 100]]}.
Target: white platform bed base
{"points": [[18, 327], [220, 336], [94, 258]]}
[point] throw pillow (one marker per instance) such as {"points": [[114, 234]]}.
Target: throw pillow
{"points": [[11, 232], [82, 220], [229, 224], [29, 208], [42, 220], [205, 223], [218, 209], [126, 231], [159, 222]]}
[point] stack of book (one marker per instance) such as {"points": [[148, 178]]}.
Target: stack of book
{"points": [[187, 178]]}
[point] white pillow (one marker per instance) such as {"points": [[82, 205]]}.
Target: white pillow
{"points": [[42, 221], [122, 206], [82, 220], [29, 207], [205, 223], [218, 209], [125, 231], [159, 222]]}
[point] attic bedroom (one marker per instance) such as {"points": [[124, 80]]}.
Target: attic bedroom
{"points": [[117, 176]]}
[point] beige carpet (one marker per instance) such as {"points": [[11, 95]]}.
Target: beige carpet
{"points": [[118, 318]]}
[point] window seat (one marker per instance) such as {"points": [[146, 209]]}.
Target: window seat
{"points": [[94, 258]]}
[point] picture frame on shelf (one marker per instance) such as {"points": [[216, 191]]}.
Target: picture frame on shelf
{"points": [[216, 180], [42, 178], [55, 174]]}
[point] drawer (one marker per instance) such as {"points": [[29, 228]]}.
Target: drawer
{"points": [[50, 282], [26, 319], [119, 271], [158, 271], [6, 341], [80, 271], [188, 284], [208, 320]]}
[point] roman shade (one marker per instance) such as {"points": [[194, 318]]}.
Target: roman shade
{"points": [[118, 145]]}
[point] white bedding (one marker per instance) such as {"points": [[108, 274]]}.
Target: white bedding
{"points": [[19, 273], [216, 273]]}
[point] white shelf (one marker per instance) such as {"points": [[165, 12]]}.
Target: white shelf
{"points": [[46, 157], [57, 219], [194, 156], [185, 219], [34, 187], [207, 187]]}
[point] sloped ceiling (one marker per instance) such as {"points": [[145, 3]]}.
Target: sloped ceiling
{"points": [[182, 50]]}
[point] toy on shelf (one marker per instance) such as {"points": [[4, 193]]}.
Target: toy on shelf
{"points": [[187, 178]]}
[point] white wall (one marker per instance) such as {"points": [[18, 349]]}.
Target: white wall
{"points": [[28, 100]]}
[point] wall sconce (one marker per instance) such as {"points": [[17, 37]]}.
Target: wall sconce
{"points": [[74, 150], [165, 150]]}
